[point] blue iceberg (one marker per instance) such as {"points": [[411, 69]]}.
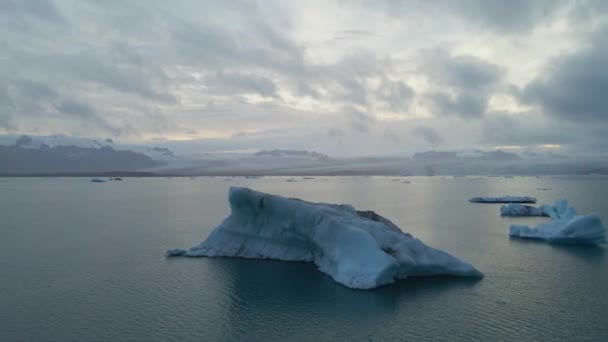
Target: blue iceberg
{"points": [[358, 249], [565, 227], [518, 209]]}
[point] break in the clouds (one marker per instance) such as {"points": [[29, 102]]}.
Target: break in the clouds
{"points": [[344, 77]]}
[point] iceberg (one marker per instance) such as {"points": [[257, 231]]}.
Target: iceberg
{"points": [[358, 249], [556, 211], [565, 227], [504, 199], [517, 209]]}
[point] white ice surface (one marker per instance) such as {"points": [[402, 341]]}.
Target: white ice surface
{"points": [[565, 227], [359, 250]]}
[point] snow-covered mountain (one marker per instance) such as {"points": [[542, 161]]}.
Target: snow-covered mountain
{"points": [[42, 142], [61, 154]]}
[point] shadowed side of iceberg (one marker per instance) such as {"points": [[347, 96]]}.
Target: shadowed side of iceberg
{"points": [[357, 249]]}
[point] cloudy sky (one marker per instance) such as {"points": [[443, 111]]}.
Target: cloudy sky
{"points": [[345, 78]]}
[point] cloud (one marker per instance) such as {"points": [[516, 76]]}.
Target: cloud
{"points": [[351, 90], [220, 44], [22, 97], [515, 16], [83, 112], [327, 72], [73, 108], [352, 34], [33, 90], [361, 122], [501, 17], [396, 94], [462, 84], [522, 129], [24, 14], [573, 86], [391, 136], [335, 133], [428, 134], [6, 109], [238, 83], [466, 105], [464, 71]]}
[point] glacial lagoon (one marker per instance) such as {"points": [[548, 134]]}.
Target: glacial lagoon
{"points": [[85, 261]]}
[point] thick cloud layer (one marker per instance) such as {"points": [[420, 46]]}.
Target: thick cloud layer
{"points": [[345, 77], [573, 86]]}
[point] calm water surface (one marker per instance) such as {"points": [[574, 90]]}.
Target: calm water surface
{"points": [[85, 261]]}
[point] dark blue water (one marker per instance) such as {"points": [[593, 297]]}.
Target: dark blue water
{"points": [[85, 261]]}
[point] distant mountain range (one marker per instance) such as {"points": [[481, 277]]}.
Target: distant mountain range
{"points": [[28, 155], [64, 155], [38, 142]]}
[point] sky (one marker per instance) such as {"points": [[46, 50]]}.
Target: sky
{"points": [[378, 77]]}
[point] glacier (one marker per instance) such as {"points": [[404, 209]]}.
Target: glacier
{"points": [[358, 249], [565, 227], [504, 199]]}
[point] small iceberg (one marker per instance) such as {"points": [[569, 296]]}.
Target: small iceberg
{"points": [[98, 180], [175, 252], [517, 209], [358, 249], [504, 199], [565, 227]]}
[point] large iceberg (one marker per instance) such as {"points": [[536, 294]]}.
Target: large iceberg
{"points": [[565, 227], [504, 199], [358, 249]]}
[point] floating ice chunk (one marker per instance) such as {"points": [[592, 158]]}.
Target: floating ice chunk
{"points": [[176, 252], [566, 227], [358, 249], [504, 199], [585, 229], [558, 210], [517, 209]]}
